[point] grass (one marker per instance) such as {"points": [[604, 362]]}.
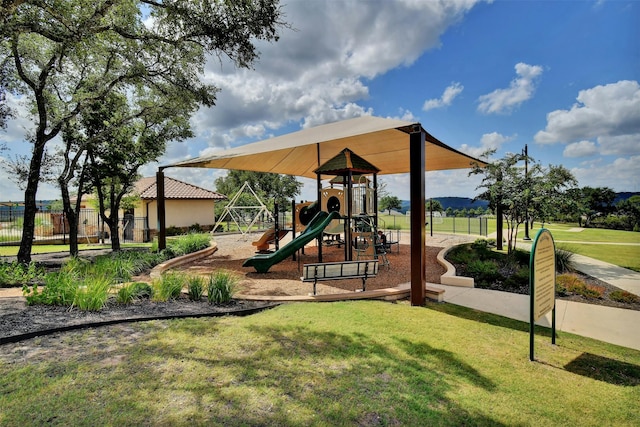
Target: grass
{"points": [[46, 249], [623, 250], [87, 284], [347, 363]]}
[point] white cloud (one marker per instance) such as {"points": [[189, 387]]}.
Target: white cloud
{"points": [[446, 99], [18, 127], [319, 72], [620, 175], [489, 141], [580, 149], [609, 112], [620, 145], [520, 90]]}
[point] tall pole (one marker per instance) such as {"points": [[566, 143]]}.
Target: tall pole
{"points": [[526, 203], [162, 225], [418, 250]]}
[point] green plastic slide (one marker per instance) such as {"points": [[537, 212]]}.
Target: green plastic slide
{"points": [[263, 262]]}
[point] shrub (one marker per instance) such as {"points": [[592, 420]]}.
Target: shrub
{"points": [[173, 231], [460, 255], [15, 273], [221, 286], [76, 266], [125, 295], [571, 283], [482, 248], [195, 228], [189, 243], [94, 294], [485, 272], [168, 287], [624, 296], [521, 257], [593, 291], [195, 286], [133, 291], [60, 289], [519, 279], [564, 260]]}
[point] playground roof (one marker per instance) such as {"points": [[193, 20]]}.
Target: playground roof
{"points": [[344, 162], [380, 141]]}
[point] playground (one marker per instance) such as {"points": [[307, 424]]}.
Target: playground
{"points": [[283, 279]]}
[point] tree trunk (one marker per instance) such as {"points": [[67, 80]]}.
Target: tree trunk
{"points": [[71, 217], [114, 221], [30, 207]]}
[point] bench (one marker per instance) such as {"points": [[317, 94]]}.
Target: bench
{"points": [[362, 269]]}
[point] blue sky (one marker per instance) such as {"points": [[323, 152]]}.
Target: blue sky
{"points": [[562, 77]]}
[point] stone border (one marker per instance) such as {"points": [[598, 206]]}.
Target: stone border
{"points": [[450, 278], [157, 271]]}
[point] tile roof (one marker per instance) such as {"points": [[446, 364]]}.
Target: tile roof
{"points": [[174, 189]]}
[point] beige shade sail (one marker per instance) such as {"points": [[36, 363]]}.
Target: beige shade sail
{"points": [[380, 141]]}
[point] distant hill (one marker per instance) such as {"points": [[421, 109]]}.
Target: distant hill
{"points": [[453, 203], [624, 196], [467, 203]]}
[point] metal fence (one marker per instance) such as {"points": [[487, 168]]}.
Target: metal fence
{"points": [[447, 225], [52, 227]]}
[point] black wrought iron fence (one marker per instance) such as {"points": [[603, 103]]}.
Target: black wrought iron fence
{"points": [[52, 227], [439, 224]]}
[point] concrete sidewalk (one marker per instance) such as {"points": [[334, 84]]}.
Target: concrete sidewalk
{"points": [[608, 324]]}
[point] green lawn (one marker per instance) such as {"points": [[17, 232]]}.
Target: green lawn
{"points": [[624, 250], [346, 363], [44, 249]]}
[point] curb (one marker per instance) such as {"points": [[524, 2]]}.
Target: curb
{"points": [[157, 271], [450, 278]]}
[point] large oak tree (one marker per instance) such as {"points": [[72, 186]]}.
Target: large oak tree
{"points": [[63, 56]]}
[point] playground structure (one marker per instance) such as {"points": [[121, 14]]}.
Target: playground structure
{"points": [[263, 262], [345, 212], [395, 146], [269, 237], [244, 216]]}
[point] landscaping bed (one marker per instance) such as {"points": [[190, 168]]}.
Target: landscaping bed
{"points": [[495, 270]]}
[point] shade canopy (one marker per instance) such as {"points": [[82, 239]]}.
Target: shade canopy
{"points": [[380, 141]]}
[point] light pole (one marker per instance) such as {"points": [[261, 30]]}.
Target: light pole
{"points": [[525, 152]]}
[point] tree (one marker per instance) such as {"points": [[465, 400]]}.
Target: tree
{"points": [[550, 192], [387, 203], [594, 202], [66, 57], [534, 195], [382, 189], [116, 153], [269, 187], [504, 186], [631, 209], [74, 165], [432, 205]]}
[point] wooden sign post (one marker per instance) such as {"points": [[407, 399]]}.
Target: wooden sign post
{"points": [[542, 284]]}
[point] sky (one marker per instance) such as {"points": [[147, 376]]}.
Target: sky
{"points": [[561, 77]]}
